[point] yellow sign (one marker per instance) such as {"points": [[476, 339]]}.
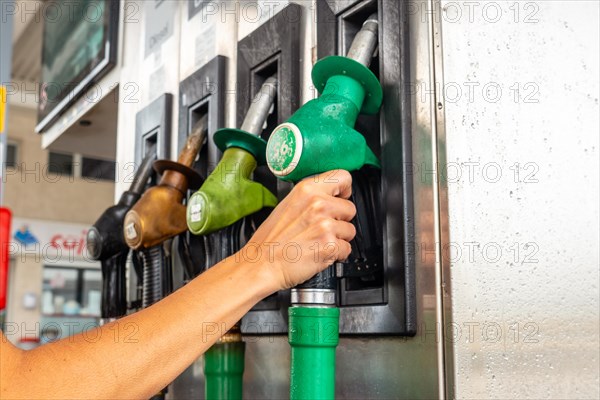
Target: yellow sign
{"points": [[2, 107]]}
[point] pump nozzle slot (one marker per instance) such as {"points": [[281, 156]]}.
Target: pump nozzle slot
{"points": [[105, 242], [323, 129]]}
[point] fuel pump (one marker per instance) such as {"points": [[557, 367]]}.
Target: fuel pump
{"points": [[105, 242], [319, 137], [227, 196], [159, 216]]}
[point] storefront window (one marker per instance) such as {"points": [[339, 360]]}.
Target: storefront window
{"points": [[92, 286], [70, 301]]}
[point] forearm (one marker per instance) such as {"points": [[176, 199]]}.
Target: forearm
{"points": [[111, 362], [138, 355]]}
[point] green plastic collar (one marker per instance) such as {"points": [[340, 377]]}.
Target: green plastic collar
{"points": [[336, 65], [229, 137]]}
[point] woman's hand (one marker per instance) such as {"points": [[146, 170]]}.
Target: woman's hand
{"points": [[308, 231]]}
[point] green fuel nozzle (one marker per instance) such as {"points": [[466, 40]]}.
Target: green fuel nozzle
{"points": [[320, 136], [229, 194]]}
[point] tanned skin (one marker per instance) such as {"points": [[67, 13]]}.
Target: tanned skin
{"points": [[140, 354]]}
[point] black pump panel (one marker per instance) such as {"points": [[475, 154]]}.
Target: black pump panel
{"points": [[153, 127], [381, 302], [202, 94], [271, 49]]}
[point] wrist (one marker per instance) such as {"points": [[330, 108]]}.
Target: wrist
{"points": [[258, 269], [261, 267]]}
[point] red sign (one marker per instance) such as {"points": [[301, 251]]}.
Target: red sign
{"points": [[69, 243], [5, 217]]}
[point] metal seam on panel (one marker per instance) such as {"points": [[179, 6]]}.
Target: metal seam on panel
{"points": [[446, 289], [436, 205]]}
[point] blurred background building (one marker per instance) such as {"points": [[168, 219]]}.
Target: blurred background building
{"points": [[54, 196]]}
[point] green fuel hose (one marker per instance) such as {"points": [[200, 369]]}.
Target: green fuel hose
{"points": [[224, 370], [228, 195], [320, 137], [313, 337]]}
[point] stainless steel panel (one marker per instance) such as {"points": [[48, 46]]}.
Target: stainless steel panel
{"points": [[528, 289], [367, 369], [380, 367]]}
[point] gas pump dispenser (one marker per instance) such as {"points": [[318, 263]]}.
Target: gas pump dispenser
{"points": [[160, 215], [305, 145], [105, 242], [226, 197]]}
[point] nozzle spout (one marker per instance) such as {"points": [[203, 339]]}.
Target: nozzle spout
{"points": [[260, 107], [144, 171], [365, 42], [194, 142]]}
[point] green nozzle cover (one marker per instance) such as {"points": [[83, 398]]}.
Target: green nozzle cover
{"points": [[332, 66], [228, 194], [320, 136], [229, 137], [313, 337]]}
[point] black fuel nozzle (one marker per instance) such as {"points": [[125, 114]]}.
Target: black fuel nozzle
{"points": [[105, 238], [105, 242]]}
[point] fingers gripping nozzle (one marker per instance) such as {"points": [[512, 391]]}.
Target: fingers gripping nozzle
{"points": [[229, 194], [320, 136], [159, 214]]}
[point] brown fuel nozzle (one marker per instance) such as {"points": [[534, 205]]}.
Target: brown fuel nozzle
{"points": [[159, 214]]}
